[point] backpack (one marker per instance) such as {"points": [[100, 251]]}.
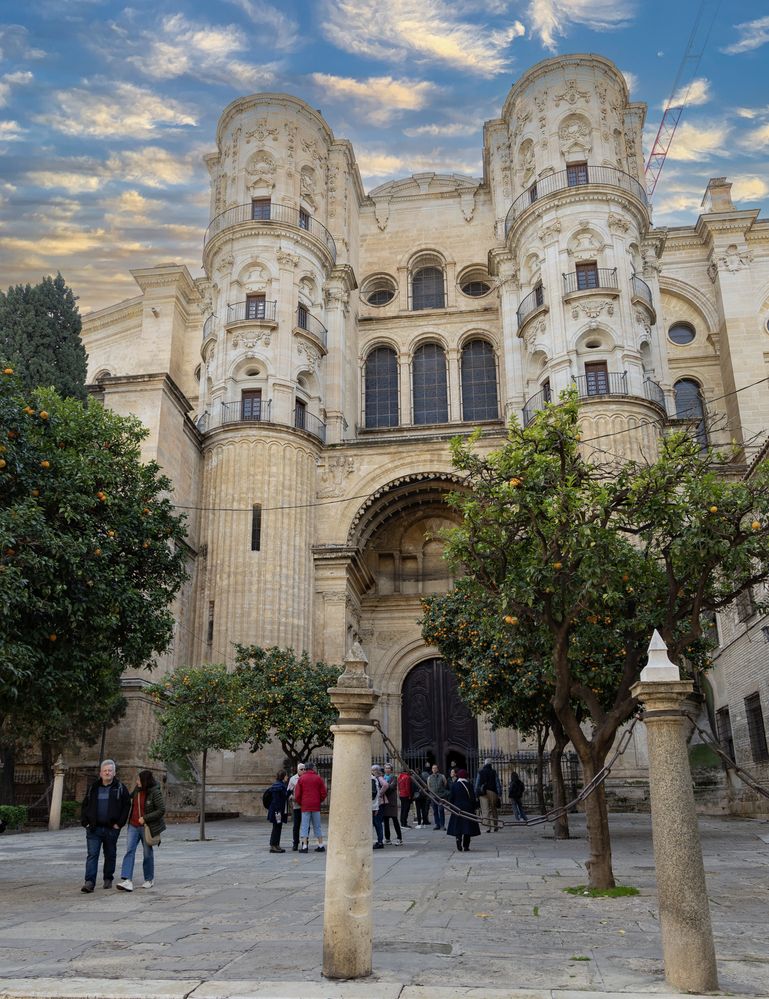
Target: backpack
{"points": [[517, 787], [267, 797], [374, 788]]}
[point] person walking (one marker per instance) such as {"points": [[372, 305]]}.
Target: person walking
{"points": [[422, 802], [489, 792], [147, 811], [276, 813], [436, 782], [103, 814], [378, 786], [295, 806], [460, 827], [310, 793], [405, 791], [517, 790], [390, 806]]}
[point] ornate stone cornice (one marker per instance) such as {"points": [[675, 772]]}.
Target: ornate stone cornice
{"points": [[442, 481], [113, 315], [174, 277]]}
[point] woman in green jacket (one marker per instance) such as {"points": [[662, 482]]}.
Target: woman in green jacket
{"points": [[147, 811]]}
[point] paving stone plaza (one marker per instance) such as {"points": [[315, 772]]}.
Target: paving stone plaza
{"points": [[228, 919]]}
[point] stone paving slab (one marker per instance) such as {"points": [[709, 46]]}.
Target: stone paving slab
{"points": [[227, 915]]}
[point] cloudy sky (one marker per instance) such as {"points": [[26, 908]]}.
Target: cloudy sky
{"points": [[107, 109]]}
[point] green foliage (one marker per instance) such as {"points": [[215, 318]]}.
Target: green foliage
{"points": [[201, 708], [14, 815], [287, 699], [91, 555], [70, 811], [618, 891], [40, 335]]}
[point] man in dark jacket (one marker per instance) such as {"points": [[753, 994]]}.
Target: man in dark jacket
{"points": [[104, 812]]}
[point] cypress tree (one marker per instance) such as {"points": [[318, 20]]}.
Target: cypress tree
{"points": [[40, 329]]}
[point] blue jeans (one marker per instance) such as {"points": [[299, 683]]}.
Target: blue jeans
{"points": [[136, 836], [518, 809], [376, 818], [304, 830], [102, 837], [439, 816]]}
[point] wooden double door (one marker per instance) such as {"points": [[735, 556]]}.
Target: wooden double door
{"points": [[435, 720]]}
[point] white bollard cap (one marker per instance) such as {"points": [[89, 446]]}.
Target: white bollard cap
{"points": [[659, 668]]}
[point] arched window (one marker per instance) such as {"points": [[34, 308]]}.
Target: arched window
{"points": [[690, 406], [479, 382], [428, 289], [381, 388], [431, 400]]}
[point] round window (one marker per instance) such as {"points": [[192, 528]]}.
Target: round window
{"points": [[593, 344], [378, 290], [681, 333], [476, 289], [474, 281], [381, 296]]}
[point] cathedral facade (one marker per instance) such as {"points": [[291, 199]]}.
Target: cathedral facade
{"points": [[302, 394]]}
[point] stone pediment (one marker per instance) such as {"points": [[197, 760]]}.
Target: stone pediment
{"points": [[421, 184]]}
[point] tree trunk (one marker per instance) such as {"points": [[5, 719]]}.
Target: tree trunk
{"points": [[46, 755], [203, 797], [541, 743], [600, 874], [561, 824], [7, 774]]}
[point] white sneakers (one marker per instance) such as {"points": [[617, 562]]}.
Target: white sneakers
{"points": [[125, 885], [148, 884]]}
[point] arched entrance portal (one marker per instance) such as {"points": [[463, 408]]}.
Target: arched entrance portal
{"points": [[435, 721]]}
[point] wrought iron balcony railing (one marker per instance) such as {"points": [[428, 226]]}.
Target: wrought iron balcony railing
{"points": [[256, 310], [601, 383], [209, 327], [534, 404], [252, 410], [533, 301], [310, 324], [642, 290], [271, 214], [654, 393], [597, 279], [564, 179], [311, 423]]}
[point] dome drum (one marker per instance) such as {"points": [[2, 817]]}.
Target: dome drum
{"points": [[263, 214]]}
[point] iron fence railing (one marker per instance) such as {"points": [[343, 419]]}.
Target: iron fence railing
{"points": [[564, 179], [253, 411], [534, 404], [601, 383], [208, 327], [254, 310], [654, 393], [533, 301], [641, 290], [590, 280], [309, 323], [311, 423], [273, 213]]}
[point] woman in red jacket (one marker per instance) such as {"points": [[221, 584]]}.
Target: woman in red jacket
{"points": [[310, 792]]}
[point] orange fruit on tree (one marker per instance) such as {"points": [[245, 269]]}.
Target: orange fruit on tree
{"points": [[756, 525], [714, 509], [557, 565], [3, 462], [510, 619], [97, 551], [43, 414], [35, 492], [52, 637], [45, 463], [7, 371]]}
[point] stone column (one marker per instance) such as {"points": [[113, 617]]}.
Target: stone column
{"points": [[687, 936], [348, 932], [54, 816]]}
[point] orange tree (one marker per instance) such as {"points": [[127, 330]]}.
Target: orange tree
{"points": [[286, 698], [593, 556], [91, 555]]}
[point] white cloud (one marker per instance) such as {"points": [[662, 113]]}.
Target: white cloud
{"points": [[755, 137], [74, 183], [753, 34], [284, 30], [180, 47], [14, 44], [446, 130], [552, 18], [696, 93], [150, 166], [10, 131], [376, 164], [9, 80], [631, 80], [692, 143], [380, 98], [749, 188], [121, 109], [426, 29]]}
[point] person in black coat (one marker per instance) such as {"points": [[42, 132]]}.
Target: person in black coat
{"points": [[276, 813], [463, 796], [103, 814]]}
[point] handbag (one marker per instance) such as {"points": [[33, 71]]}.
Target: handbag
{"points": [[149, 839]]}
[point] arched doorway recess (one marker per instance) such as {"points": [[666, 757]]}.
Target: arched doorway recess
{"points": [[435, 720]]}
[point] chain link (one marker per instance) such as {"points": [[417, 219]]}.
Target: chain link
{"points": [[551, 816], [744, 775]]}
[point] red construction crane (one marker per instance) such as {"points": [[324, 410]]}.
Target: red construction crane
{"points": [[679, 95]]}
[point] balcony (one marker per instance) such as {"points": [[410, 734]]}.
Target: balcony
{"points": [[307, 323], [597, 384], [209, 327], [226, 414], [654, 393], [533, 302], [535, 403], [272, 214], [597, 279], [252, 311], [641, 292], [563, 180]]}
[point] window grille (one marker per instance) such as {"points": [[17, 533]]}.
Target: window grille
{"points": [[689, 406], [431, 400], [724, 731], [479, 382], [756, 729], [260, 209], [381, 388], [427, 289], [576, 174], [256, 527]]}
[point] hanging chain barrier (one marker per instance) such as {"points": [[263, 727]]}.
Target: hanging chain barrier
{"points": [[550, 816], [743, 774]]}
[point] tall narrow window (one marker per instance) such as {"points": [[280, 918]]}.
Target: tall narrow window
{"points": [[689, 406], [304, 219], [539, 294], [255, 305], [210, 630], [756, 729], [533, 193], [724, 731], [745, 605], [381, 388], [300, 414], [587, 276], [596, 378], [260, 209], [546, 393], [251, 404], [431, 399], [576, 174], [302, 316], [427, 289], [479, 382], [256, 527]]}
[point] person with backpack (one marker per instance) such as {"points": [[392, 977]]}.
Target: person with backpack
{"points": [[489, 791], [310, 793], [517, 789], [378, 787], [276, 798]]}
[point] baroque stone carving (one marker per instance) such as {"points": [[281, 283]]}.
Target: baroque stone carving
{"points": [[261, 132], [310, 354], [332, 475], [550, 231], [592, 308], [286, 259], [733, 260], [575, 134], [249, 341], [618, 222], [572, 94], [643, 322], [225, 264]]}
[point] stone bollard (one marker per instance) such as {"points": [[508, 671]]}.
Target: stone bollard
{"points": [[348, 933], [54, 815], [687, 937]]}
